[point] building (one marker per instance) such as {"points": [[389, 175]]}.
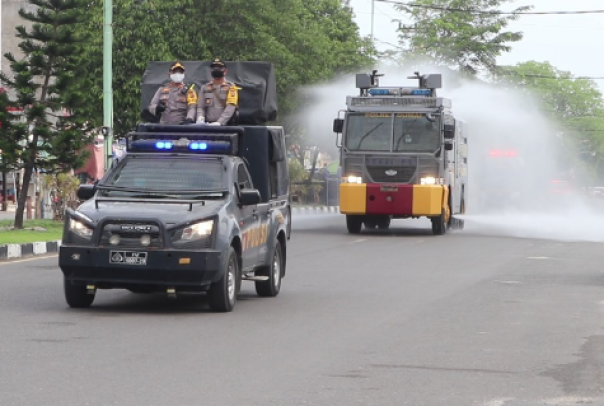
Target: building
{"points": [[10, 21]]}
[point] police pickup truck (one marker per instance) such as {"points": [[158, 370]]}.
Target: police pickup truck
{"points": [[190, 208]]}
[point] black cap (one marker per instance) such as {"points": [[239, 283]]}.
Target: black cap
{"points": [[218, 63]]}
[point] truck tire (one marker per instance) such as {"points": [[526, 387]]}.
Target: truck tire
{"points": [[223, 293], [384, 223], [439, 224], [77, 296], [354, 223], [370, 224], [274, 271]]}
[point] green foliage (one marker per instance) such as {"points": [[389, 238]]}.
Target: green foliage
{"points": [[468, 40], [297, 173], [575, 104], [64, 187], [307, 40], [46, 84]]}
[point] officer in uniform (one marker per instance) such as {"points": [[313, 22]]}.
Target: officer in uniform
{"points": [[176, 102], [218, 101]]}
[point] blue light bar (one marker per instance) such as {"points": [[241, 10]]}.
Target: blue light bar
{"points": [[198, 146], [421, 92], [379, 91], [163, 145], [182, 145]]}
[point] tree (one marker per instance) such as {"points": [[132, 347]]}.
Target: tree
{"points": [[576, 105], [46, 88], [462, 34], [308, 41]]}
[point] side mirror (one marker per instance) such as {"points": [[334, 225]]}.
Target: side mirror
{"points": [[86, 192], [249, 197], [448, 146], [338, 125], [449, 131]]}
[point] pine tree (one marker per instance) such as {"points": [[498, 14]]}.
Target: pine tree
{"points": [[45, 86]]}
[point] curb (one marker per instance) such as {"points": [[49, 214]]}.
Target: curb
{"points": [[32, 249], [316, 210]]}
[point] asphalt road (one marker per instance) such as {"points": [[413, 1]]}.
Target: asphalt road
{"points": [[388, 318]]}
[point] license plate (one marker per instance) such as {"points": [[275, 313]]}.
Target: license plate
{"points": [[389, 189], [128, 257]]}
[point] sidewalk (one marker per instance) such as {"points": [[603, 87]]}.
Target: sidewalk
{"points": [[308, 209]]}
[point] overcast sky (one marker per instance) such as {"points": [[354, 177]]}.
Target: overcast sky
{"points": [[569, 42]]}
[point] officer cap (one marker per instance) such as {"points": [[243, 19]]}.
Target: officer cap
{"points": [[177, 65], [218, 63]]}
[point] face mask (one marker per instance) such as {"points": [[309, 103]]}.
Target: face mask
{"points": [[217, 73], [177, 77]]}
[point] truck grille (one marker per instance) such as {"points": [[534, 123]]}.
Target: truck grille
{"points": [[130, 235], [404, 174]]}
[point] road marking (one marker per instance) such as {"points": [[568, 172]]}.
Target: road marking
{"points": [[28, 260], [358, 241], [509, 282], [538, 258], [498, 402]]}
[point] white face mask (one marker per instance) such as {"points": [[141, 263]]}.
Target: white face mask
{"points": [[177, 77]]}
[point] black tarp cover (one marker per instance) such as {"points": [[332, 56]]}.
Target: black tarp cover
{"points": [[257, 98]]}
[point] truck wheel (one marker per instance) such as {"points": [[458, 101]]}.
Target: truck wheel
{"points": [[370, 224], [384, 223], [77, 296], [354, 223], [439, 225], [272, 286], [223, 294]]}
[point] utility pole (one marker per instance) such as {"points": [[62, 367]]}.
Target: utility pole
{"points": [[372, 14], [4, 177], [108, 81]]}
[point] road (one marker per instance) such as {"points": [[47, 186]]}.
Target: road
{"points": [[387, 318]]}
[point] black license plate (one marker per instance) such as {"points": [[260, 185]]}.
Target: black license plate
{"points": [[128, 257]]}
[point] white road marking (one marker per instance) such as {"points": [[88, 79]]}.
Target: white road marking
{"points": [[538, 258], [28, 259], [358, 241], [509, 282]]}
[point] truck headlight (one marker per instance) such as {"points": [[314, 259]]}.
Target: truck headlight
{"points": [[429, 180], [195, 231], [353, 179], [80, 229]]}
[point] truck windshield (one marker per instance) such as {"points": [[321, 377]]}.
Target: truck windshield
{"points": [[415, 133], [172, 175], [369, 132], [399, 132]]}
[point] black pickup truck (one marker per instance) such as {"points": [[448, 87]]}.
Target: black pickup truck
{"points": [[189, 208]]}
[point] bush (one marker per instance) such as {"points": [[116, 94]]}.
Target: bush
{"points": [[63, 188]]}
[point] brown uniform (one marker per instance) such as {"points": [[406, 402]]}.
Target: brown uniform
{"points": [[217, 103], [179, 105]]}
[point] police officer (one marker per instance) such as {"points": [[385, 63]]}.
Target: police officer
{"points": [[218, 101], [175, 102]]}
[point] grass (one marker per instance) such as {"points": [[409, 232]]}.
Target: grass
{"points": [[54, 231]]}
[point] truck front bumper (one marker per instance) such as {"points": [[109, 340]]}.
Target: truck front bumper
{"points": [[162, 269], [392, 199]]}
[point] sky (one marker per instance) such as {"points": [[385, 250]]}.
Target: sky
{"points": [[569, 42]]}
